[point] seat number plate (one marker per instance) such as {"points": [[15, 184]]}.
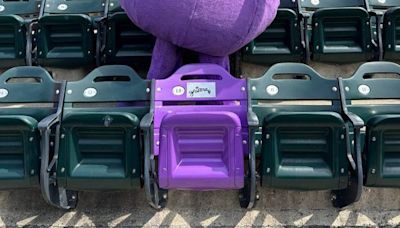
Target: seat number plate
{"points": [[178, 90], [3, 93], [62, 7], [90, 92], [364, 89]]}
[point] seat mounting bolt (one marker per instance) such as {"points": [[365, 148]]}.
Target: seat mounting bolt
{"points": [[373, 139], [373, 171]]}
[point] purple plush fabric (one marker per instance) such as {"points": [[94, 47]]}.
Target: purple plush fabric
{"points": [[213, 28]]}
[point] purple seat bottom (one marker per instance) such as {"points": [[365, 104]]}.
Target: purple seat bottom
{"points": [[201, 151]]}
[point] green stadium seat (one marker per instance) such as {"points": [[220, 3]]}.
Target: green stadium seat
{"points": [[386, 17], [20, 114], [379, 82], [303, 135], [67, 33], [14, 18], [282, 41], [100, 143], [341, 31], [125, 43], [391, 34]]}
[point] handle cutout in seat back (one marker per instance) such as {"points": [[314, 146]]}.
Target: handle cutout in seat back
{"points": [[212, 77], [291, 77], [112, 79], [381, 76], [24, 80]]}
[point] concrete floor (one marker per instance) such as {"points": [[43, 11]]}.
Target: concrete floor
{"points": [[378, 207]]}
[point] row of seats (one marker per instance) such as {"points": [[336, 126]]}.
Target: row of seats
{"points": [[75, 33], [200, 129], [82, 33], [340, 31]]}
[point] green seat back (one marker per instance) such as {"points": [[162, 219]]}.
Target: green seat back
{"points": [[341, 30], [100, 142], [391, 33], [74, 7], [301, 134], [12, 41], [27, 95], [368, 97], [312, 5], [19, 7], [66, 34], [281, 42], [125, 42], [13, 30], [382, 5]]}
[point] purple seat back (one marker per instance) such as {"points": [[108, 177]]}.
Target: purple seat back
{"points": [[200, 128], [230, 93]]}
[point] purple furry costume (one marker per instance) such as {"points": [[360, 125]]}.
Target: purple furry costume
{"points": [[213, 28]]}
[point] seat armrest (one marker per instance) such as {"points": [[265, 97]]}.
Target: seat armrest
{"points": [[304, 15], [252, 119], [47, 122], [355, 119], [147, 121]]}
